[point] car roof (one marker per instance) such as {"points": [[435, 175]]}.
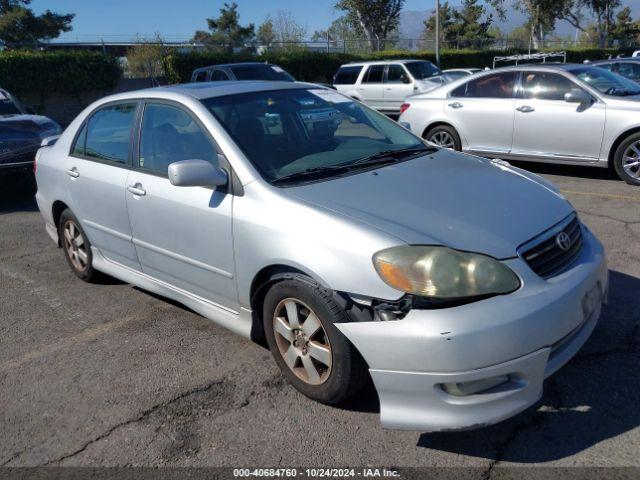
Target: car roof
{"points": [[383, 62], [238, 64], [203, 90], [613, 60]]}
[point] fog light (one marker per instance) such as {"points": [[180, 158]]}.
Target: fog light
{"points": [[462, 389]]}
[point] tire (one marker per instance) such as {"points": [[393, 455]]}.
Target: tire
{"points": [[341, 371], [628, 155], [444, 136], [76, 247]]}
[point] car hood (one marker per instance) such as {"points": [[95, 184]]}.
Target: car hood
{"points": [[445, 198], [24, 126]]}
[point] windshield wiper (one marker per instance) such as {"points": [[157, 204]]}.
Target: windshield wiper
{"points": [[313, 172], [388, 156]]}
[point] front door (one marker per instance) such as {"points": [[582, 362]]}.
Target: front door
{"points": [[182, 234], [546, 125], [97, 170], [482, 112]]}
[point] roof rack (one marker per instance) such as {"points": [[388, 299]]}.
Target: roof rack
{"points": [[531, 56]]}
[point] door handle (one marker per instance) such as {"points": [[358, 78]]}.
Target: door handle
{"points": [[525, 109], [137, 189], [456, 105], [73, 172]]}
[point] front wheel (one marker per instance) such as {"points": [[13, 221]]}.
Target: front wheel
{"points": [[444, 136], [626, 159], [313, 355]]}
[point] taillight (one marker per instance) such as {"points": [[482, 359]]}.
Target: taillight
{"points": [[404, 107]]}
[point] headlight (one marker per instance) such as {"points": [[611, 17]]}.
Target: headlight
{"points": [[441, 272]]}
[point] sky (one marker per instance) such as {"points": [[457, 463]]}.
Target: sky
{"points": [[122, 19]]}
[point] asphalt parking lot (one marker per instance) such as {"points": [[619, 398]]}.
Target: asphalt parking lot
{"points": [[106, 374]]}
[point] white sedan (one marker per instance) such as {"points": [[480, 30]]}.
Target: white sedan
{"points": [[564, 113]]}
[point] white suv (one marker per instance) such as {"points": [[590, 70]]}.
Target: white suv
{"points": [[384, 85]]}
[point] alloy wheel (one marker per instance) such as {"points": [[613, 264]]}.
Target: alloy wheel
{"points": [[631, 160], [75, 246], [302, 341], [442, 139]]}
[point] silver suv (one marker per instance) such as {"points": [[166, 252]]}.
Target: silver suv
{"points": [[298, 217], [384, 85]]}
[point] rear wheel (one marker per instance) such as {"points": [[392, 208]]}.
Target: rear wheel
{"points": [[299, 318], [76, 246], [626, 159], [444, 136]]}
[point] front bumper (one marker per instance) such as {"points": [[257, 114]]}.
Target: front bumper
{"points": [[526, 335]]}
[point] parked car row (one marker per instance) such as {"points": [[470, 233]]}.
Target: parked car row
{"points": [[21, 133]]}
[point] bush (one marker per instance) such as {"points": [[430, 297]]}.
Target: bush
{"points": [[320, 67], [70, 72]]}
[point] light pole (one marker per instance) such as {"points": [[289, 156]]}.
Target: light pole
{"points": [[438, 33]]}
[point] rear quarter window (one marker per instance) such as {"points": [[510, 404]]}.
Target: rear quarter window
{"points": [[347, 75]]}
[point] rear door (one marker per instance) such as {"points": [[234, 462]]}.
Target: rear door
{"points": [[182, 235], [482, 110], [546, 125], [97, 169], [398, 85], [370, 89]]}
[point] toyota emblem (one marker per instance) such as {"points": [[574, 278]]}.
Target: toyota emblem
{"points": [[563, 240]]}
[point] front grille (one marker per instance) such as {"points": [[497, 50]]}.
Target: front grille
{"points": [[546, 258]]}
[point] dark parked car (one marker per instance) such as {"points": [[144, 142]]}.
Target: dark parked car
{"points": [[21, 132], [241, 71], [628, 67]]}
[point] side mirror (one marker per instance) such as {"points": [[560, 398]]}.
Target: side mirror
{"points": [[576, 95], [197, 173], [405, 79], [30, 110]]}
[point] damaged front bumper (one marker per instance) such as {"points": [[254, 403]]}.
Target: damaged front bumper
{"points": [[512, 342]]}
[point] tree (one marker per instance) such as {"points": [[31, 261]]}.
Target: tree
{"points": [[465, 23], [624, 28], [602, 12], [468, 22], [378, 19], [19, 26], [146, 58], [287, 31], [266, 35], [225, 32], [341, 30], [447, 33]]}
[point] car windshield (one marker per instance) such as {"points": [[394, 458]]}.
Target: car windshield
{"points": [[7, 105], [261, 72], [289, 132], [606, 82], [421, 70]]}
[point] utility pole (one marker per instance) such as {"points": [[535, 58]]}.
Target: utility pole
{"points": [[438, 33]]}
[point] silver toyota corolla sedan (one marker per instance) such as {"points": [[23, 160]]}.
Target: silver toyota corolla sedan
{"points": [[295, 216], [563, 113]]}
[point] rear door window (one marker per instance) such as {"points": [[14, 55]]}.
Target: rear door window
{"points": [[498, 85], [201, 76], [108, 134], [347, 75], [374, 74], [219, 76]]}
